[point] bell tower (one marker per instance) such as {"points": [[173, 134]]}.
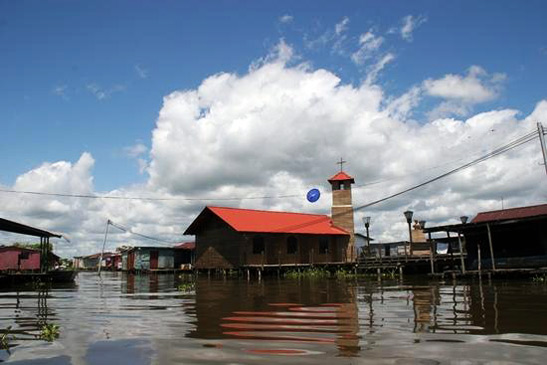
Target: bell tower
{"points": [[342, 207]]}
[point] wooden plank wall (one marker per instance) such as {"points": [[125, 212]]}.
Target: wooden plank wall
{"points": [[220, 246]]}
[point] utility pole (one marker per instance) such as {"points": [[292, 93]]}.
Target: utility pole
{"points": [[104, 244], [542, 141]]}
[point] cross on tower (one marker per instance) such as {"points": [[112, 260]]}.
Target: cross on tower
{"points": [[341, 163]]}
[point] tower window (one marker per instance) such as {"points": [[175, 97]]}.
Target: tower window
{"points": [[292, 245], [258, 245]]}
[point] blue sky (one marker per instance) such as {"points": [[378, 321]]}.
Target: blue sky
{"points": [[73, 45], [100, 96]]}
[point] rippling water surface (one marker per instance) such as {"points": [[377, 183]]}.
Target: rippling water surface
{"points": [[120, 319]]}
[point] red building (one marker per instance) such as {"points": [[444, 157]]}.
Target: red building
{"points": [[14, 258], [231, 238]]}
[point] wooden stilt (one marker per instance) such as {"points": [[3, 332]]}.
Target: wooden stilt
{"points": [[491, 247], [479, 257], [462, 262], [431, 257]]}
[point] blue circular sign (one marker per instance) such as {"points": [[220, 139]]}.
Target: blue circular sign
{"points": [[313, 195]]}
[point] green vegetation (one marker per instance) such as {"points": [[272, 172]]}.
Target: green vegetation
{"points": [[49, 332], [540, 278], [313, 273], [31, 246], [6, 338], [66, 264], [341, 274], [38, 284], [345, 274], [187, 287]]}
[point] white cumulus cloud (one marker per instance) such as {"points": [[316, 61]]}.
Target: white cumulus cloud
{"points": [[461, 92]]}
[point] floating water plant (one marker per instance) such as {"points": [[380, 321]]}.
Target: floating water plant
{"points": [[540, 278], [307, 273], [49, 332], [6, 338], [187, 287]]}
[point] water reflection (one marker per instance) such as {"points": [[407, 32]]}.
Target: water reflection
{"points": [[279, 311], [145, 319]]}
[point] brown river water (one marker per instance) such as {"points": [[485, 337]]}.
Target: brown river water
{"points": [[120, 319]]}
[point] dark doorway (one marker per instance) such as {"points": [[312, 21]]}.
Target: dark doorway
{"points": [[153, 260], [131, 260]]}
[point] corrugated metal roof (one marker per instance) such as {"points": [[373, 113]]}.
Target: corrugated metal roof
{"points": [[97, 255], [186, 246], [248, 220], [342, 176], [15, 227], [513, 213]]}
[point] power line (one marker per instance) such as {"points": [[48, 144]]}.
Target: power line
{"points": [[507, 147], [91, 196], [110, 197], [365, 185], [130, 231], [522, 140]]}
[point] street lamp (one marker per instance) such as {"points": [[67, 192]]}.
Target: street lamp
{"points": [[366, 221], [408, 215], [422, 224], [464, 218]]}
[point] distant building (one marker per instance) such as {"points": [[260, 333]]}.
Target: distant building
{"points": [[144, 258], [232, 238], [361, 243], [419, 246], [111, 261], [185, 255], [388, 249]]}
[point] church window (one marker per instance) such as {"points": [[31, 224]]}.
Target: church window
{"points": [[292, 245], [258, 245], [323, 245]]}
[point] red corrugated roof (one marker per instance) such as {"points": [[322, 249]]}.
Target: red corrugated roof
{"points": [[186, 246], [513, 213], [97, 255], [341, 176], [248, 220]]}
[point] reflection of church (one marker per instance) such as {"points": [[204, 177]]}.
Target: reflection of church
{"points": [[424, 302], [278, 312]]}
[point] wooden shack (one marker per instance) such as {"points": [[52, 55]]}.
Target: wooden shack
{"points": [[146, 258], [185, 255], [47, 259], [507, 238], [13, 258]]}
